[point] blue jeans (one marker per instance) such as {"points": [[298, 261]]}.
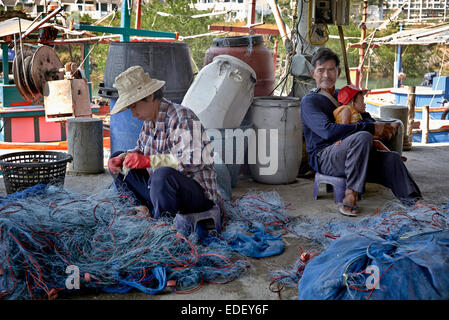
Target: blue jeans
{"points": [[166, 192]]}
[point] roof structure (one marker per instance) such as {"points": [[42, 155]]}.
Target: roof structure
{"points": [[11, 26], [420, 36], [9, 3]]}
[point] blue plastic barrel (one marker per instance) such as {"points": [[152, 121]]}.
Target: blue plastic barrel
{"points": [[125, 130]]}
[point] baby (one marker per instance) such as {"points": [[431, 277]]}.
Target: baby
{"points": [[353, 104]]}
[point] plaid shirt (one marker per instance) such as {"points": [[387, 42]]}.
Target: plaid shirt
{"points": [[177, 130]]}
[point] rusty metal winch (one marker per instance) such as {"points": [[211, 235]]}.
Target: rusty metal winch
{"points": [[41, 77]]}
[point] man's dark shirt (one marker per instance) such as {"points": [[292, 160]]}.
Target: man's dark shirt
{"points": [[319, 127]]}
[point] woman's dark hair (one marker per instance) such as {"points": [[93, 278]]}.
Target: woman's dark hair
{"points": [[158, 95], [323, 55]]}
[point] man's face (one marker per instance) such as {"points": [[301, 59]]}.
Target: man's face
{"points": [[326, 74], [145, 110]]}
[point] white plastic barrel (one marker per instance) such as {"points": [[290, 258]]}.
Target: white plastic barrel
{"points": [[280, 117], [222, 92]]}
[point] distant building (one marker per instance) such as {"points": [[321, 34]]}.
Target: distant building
{"points": [[94, 8], [418, 9], [240, 7]]}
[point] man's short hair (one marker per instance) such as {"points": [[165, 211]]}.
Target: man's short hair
{"points": [[323, 55]]}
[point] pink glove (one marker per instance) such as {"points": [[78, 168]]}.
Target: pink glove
{"points": [[115, 164], [137, 161]]}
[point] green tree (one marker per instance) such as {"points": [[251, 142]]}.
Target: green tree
{"points": [[179, 21]]}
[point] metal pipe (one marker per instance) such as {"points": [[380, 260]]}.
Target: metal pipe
{"points": [[51, 15]]}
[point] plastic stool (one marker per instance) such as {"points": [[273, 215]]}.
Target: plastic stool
{"points": [[187, 223], [335, 184]]}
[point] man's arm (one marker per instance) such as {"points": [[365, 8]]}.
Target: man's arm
{"points": [[314, 115], [381, 130]]}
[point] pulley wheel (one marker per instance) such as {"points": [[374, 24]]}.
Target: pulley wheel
{"points": [[28, 81], [19, 74], [45, 67]]}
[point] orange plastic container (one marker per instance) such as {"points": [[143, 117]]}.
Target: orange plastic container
{"points": [[251, 50]]}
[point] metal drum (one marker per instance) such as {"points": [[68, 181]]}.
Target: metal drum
{"points": [[168, 61], [275, 156]]}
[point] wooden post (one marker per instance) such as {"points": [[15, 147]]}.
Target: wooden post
{"points": [[425, 125], [345, 57], [359, 77], [279, 22], [5, 63], [411, 100], [138, 14], [252, 12], [275, 58]]}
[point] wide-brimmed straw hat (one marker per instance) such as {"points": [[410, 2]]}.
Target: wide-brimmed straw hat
{"points": [[133, 85]]}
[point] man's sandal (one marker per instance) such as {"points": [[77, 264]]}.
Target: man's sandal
{"points": [[346, 213]]}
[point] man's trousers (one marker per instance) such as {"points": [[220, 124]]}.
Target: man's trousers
{"points": [[356, 159]]}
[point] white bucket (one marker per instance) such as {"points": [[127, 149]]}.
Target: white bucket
{"points": [[222, 92], [281, 119]]}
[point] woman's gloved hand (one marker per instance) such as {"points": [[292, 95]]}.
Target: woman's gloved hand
{"points": [[115, 164], [137, 161]]}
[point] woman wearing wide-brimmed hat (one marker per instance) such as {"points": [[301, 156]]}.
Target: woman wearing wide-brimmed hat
{"points": [[171, 168]]}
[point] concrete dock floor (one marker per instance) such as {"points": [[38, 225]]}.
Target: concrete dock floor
{"points": [[428, 163]]}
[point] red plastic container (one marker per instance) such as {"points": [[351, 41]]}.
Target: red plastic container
{"points": [[251, 50]]}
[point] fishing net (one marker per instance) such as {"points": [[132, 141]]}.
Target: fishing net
{"points": [[53, 241], [392, 222], [45, 229]]}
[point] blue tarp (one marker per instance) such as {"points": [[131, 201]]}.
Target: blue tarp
{"points": [[370, 267]]}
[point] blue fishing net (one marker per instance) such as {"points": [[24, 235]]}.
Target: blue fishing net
{"points": [[45, 231], [371, 267], [339, 240]]}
